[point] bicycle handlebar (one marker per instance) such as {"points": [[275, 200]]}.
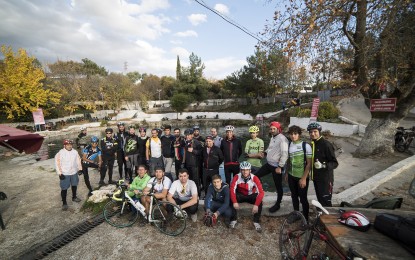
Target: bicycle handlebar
{"points": [[318, 205]]}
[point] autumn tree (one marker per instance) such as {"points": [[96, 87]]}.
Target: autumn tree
{"points": [[382, 36], [21, 85]]}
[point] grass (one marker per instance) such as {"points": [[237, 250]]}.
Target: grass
{"points": [[93, 207]]}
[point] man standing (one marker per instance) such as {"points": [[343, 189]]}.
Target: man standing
{"points": [[68, 164], [231, 148], [153, 152], [167, 151], [183, 192], [323, 163], [178, 145], [217, 140], [277, 155], [212, 158], [246, 187], [121, 136], [89, 156], [192, 157], [109, 147], [198, 137], [81, 140], [142, 140], [131, 152], [254, 149]]}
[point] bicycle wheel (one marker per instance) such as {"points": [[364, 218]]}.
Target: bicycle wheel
{"points": [[168, 218], [400, 145], [293, 235], [119, 214]]}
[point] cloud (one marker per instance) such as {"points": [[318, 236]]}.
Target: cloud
{"points": [[222, 67], [196, 19], [188, 33], [182, 52], [221, 8]]}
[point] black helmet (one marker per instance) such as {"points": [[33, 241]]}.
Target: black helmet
{"points": [[314, 125], [188, 131]]}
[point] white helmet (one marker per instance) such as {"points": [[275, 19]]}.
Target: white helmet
{"points": [[354, 220], [245, 165], [229, 128], [82, 128]]}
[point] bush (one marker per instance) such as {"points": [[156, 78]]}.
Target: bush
{"points": [[327, 111], [299, 112], [104, 123]]}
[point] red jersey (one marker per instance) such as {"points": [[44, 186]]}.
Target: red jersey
{"points": [[250, 186]]}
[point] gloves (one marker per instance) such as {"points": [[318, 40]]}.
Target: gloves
{"points": [[61, 177], [80, 172]]}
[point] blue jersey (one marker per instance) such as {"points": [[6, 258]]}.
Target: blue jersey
{"points": [[90, 153]]}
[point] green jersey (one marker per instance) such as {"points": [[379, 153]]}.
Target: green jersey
{"points": [[138, 184], [296, 155], [254, 146]]}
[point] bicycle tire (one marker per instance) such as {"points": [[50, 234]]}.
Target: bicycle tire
{"points": [[293, 236], [119, 216], [165, 217], [400, 145]]}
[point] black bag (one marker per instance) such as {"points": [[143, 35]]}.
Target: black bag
{"points": [[399, 228]]}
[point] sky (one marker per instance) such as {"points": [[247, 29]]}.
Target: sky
{"points": [[144, 36]]}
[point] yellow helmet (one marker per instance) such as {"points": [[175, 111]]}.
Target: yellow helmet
{"points": [[254, 129]]}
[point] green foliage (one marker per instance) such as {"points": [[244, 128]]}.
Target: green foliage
{"points": [[134, 76], [179, 102], [95, 208], [104, 123], [327, 110]]}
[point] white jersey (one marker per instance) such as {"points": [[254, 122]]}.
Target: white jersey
{"points": [[159, 187], [183, 192], [67, 162]]}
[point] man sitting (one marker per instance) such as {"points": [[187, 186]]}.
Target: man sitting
{"points": [[246, 187], [183, 192], [161, 188], [217, 200]]}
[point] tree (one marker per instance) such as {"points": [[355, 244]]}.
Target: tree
{"points": [[134, 76], [382, 35], [22, 90], [179, 102], [90, 68]]}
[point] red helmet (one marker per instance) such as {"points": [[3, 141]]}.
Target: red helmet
{"points": [[277, 125], [354, 220], [67, 141]]}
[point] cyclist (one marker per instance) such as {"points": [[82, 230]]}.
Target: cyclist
{"points": [[298, 168], [277, 155], [254, 149], [142, 140], [89, 156], [217, 140], [167, 151], [217, 199], [131, 152], [81, 140], [120, 137], [68, 164], [161, 188], [231, 147], [323, 164], [183, 192], [192, 157], [153, 151], [212, 158], [139, 183], [178, 145], [109, 147], [246, 187], [197, 136]]}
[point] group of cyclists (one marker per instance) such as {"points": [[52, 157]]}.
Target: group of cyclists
{"points": [[196, 161]]}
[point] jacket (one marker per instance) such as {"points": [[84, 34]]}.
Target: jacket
{"points": [[213, 159], [323, 151], [192, 158], [232, 150]]}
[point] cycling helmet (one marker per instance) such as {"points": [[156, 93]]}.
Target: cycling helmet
{"points": [[354, 220], [276, 125], [67, 141], [142, 129], [188, 131], [196, 127], [229, 128], [253, 129], [94, 139], [82, 128], [120, 123], [109, 130], [245, 165], [314, 125]]}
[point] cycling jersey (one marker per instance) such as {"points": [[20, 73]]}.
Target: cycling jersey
{"points": [[91, 154], [323, 151], [231, 149], [246, 187], [296, 155], [131, 145], [154, 145], [109, 147], [167, 146], [254, 146], [159, 187]]}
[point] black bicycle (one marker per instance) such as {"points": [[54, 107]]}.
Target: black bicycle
{"points": [[404, 138]]}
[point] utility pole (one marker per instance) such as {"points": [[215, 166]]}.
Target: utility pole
{"points": [[159, 90]]}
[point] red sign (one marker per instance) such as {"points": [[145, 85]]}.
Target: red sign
{"points": [[383, 105], [38, 117], [314, 110]]}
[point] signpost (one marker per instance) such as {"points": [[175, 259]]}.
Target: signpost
{"points": [[314, 110], [38, 118], [383, 105]]}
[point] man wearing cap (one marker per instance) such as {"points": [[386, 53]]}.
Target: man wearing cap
{"points": [[68, 164], [167, 151], [212, 158], [231, 147], [109, 147], [277, 155], [90, 155], [81, 141], [120, 137], [153, 152], [192, 157]]}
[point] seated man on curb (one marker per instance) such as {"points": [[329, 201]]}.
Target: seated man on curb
{"points": [[161, 188], [246, 187], [183, 192], [139, 183], [217, 200]]}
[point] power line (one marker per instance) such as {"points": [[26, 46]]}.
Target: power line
{"points": [[227, 19]]}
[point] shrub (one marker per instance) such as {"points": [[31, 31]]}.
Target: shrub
{"points": [[104, 123], [327, 111]]}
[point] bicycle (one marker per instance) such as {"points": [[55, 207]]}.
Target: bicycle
{"points": [[122, 211], [403, 138], [296, 237]]}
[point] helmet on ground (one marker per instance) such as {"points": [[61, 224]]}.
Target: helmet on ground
{"points": [[276, 125], [82, 128], [314, 125], [209, 219], [188, 131], [120, 123], [254, 129], [245, 165], [94, 139], [67, 141], [229, 128], [142, 129], [109, 130], [354, 220], [196, 127]]}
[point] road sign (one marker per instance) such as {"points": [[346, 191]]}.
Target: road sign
{"points": [[38, 117], [383, 105], [314, 110]]}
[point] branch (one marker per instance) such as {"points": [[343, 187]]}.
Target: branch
{"points": [[345, 31]]}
